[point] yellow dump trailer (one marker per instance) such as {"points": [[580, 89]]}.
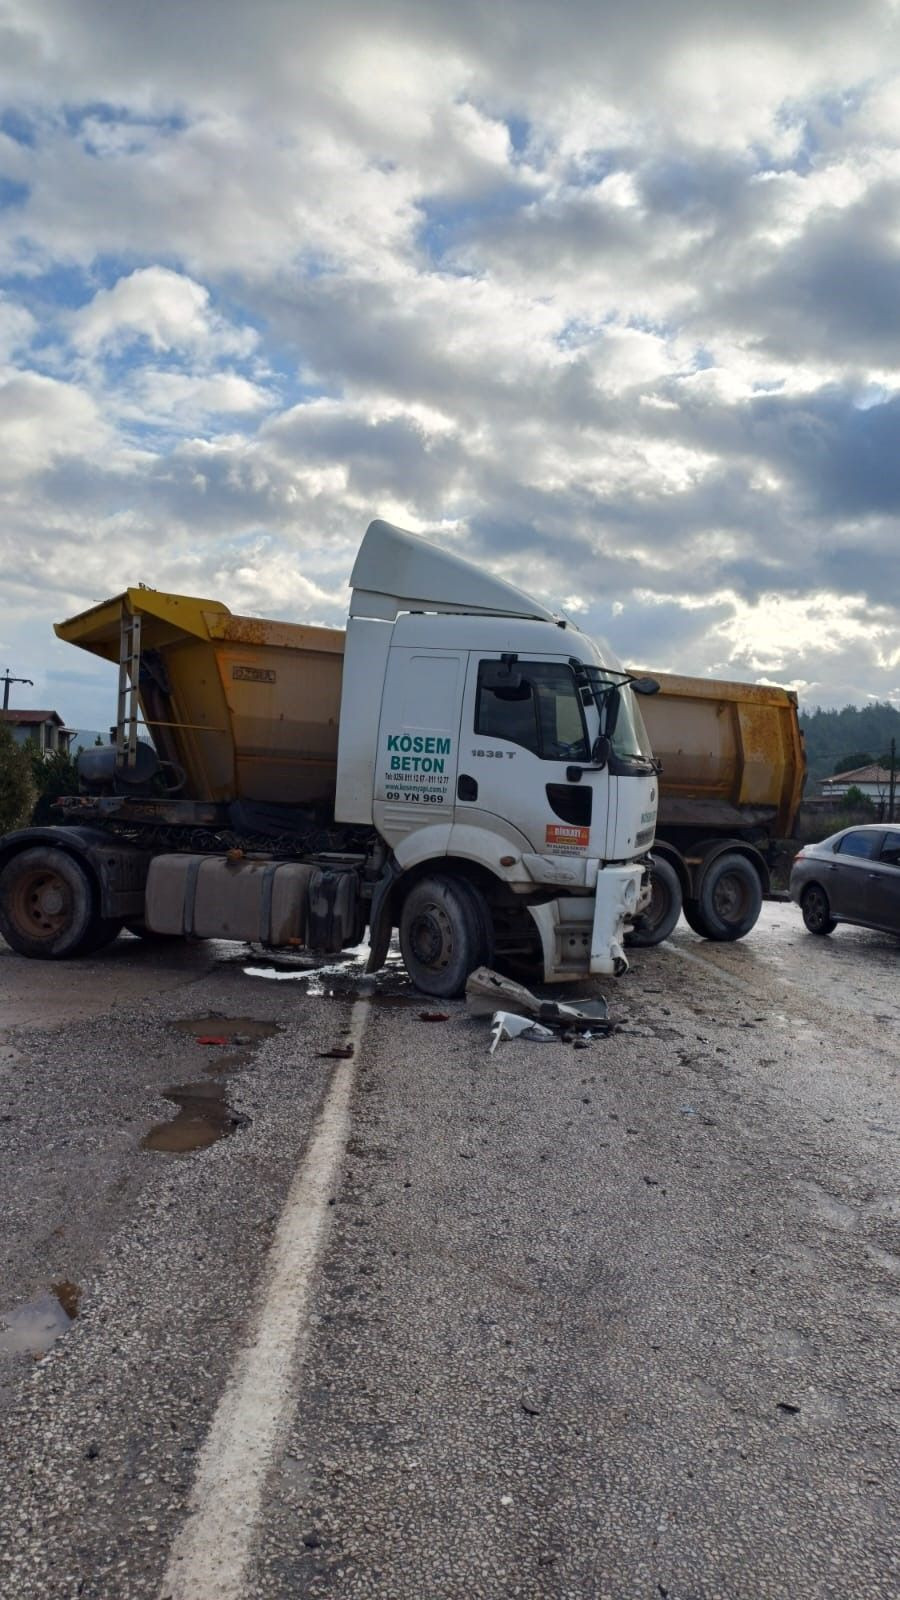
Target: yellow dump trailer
{"points": [[731, 753], [244, 708], [732, 770]]}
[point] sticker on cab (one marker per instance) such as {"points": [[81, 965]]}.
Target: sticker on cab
{"points": [[565, 839]]}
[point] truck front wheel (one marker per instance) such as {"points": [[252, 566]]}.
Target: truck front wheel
{"points": [[444, 934], [729, 901], [661, 915], [48, 906]]}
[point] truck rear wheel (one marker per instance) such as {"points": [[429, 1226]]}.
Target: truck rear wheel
{"points": [[661, 915], [729, 901], [48, 906], [444, 934]]}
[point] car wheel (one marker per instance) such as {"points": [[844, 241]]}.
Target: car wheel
{"points": [[816, 910], [656, 923], [48, 906], [444, 934], [729, 901]]}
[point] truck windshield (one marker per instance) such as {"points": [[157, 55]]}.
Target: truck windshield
{"points": [[629, 737]]}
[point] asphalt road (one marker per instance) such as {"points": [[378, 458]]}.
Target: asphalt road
{"points": [[423, 1324]]}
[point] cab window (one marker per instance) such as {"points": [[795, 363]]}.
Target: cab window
{"points": [[860, 844], [541, 711]]}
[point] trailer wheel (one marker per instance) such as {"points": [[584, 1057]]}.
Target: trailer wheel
{"points": [[656, 923], [729, 901], [444, 934], [48, 906]]}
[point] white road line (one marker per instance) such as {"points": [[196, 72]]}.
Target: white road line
{"points": [[209, 1558]]}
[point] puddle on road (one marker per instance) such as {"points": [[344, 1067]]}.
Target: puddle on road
{"points": [[204, 1116], [237, 1030], [214, 1033], [32, 1329]]}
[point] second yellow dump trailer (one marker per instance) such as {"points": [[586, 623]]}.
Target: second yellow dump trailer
{"points": [[732, 771]]}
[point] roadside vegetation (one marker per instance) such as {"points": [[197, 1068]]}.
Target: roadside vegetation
{"points": [[30, 782], [18, 790], [840, 741]]}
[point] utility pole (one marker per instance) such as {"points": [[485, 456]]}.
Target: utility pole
{"points": [[893, 786], [6, 680]]}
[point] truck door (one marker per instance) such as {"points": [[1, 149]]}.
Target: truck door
{"points": [[418, 740], [522, 729]]}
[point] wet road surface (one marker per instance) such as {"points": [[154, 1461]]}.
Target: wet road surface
{"points": [[617, 1322]]}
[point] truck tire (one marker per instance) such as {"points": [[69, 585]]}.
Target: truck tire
{"points": [[817, 910], [729, 901], [444, 934], [656, 923], [48, 906]]}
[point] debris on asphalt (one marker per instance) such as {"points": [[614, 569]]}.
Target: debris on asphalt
{"points": [[338, 1052], [434, 1016], [531, 1405], [487, 992], [218, 1039], [575, 1023], [506, 1025]]}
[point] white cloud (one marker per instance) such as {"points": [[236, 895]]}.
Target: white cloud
{"points": [[17, 328], [43, 421], [604, 296], [167, 309]]}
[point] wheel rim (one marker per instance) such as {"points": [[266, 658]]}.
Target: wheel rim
{"points": [[431, 936], [730, 898], [660, 902], [815, 908], [41, 904]]}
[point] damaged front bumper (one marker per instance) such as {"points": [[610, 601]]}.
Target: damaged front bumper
{"points": [[582, 935]]}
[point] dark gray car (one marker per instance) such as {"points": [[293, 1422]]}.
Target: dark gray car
{"points": [[852, 877]]}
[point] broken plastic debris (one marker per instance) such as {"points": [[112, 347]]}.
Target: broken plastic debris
{"points": [[212, 1038], [488, 992], [506, 1025]]}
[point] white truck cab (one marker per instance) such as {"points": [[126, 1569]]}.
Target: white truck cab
{"points": [[477, 728]]}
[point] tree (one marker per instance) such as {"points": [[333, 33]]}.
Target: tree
{"points": [[53, 775], [855, 800], [850, 763], [17, 789]]}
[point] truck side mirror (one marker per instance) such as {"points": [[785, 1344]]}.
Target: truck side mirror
{"points": [[645, 686], [600, 751], [612, 701]]}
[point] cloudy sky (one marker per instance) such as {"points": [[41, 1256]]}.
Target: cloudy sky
{"points": [[605, 297]]}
